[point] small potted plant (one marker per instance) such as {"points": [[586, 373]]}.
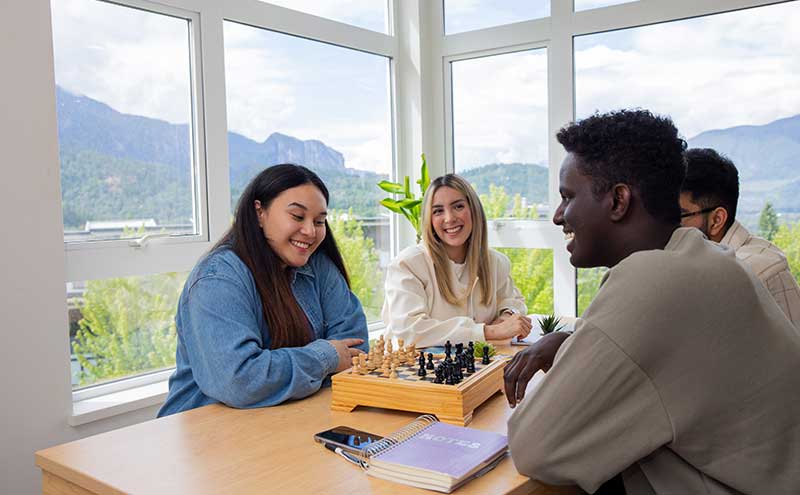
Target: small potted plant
{"points": [[408, 204], [550, 324]]}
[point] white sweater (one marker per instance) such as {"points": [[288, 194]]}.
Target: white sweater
{"points": [[415, 310]]}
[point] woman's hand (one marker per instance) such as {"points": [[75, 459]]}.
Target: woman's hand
{"points": [[507, 327], [345, 348]]}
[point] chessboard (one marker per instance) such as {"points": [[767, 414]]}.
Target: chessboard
{"points": [[370, 382]]}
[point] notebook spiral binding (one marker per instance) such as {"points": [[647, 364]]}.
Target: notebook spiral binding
{"points": [[395, 439]]}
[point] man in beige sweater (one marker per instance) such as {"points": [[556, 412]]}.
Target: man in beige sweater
{"points": [[683, 375], [709, 195]]}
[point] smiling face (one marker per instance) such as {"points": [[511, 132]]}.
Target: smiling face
{"points": [[452, 221], [580, 215], [294, 223]]}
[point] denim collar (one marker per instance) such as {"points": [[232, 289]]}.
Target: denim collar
{"points": [[303, 270]]}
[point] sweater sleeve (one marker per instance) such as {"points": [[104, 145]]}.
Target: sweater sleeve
{"points": [[406, 314], [229, 359], [594, 414], [508, 296]]}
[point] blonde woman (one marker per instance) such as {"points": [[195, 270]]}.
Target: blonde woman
{"points": [[452, 286]]}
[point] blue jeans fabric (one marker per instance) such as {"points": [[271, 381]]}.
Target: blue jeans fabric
{"points": [[223, 353]]}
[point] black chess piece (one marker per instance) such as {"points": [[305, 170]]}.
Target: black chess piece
{"points": [[421, 371], [486, 359], [448, 347], [470, 361], [439, 372], [471, 347], [430, 365], [448, 373], [459, 348]]}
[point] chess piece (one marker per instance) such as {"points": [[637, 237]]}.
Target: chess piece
{"points": [[421, 371], [486, 359], [393, 373], [448, 374], [430, 365], [354, 369], [470, 360], [439, 372]]}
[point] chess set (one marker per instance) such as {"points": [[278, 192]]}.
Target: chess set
{"points": [[450, 385]]}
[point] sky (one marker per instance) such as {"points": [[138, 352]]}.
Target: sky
{"points": [[707, 73]]}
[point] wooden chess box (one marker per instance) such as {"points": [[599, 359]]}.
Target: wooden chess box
{"points": [[453, 404]]}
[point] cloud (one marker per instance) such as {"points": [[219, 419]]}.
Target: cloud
{"points": [[136, 62], [500, 109], [707, 73]]}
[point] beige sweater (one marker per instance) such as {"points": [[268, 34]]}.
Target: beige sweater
{"points": [[414, 310], [770, 266], [683, 375]]}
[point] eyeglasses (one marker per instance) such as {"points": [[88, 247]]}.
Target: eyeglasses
{"points": [[698, 212]]}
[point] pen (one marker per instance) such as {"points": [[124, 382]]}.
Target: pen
{"points": [[350, 457]]}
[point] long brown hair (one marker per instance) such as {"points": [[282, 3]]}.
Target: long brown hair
{"points": [[288, 325], [477, 258]]}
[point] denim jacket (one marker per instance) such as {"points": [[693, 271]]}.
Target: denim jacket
{"points": [[223, 353]]}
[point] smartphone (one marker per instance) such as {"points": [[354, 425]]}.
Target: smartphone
{"points": [[347, 438]]}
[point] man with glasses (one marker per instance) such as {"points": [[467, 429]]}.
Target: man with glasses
{"points": [[709, 195]]}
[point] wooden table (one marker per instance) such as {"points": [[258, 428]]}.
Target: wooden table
{"points": [[219, 450]]}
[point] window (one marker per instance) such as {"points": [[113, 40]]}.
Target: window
{"points": [[325, 107], [367, 14], [124, 101], [729, 83], [131, 174], [469, 15], [499, 107]]}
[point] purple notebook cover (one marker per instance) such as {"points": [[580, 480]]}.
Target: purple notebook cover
{"points": [[448, 449]]}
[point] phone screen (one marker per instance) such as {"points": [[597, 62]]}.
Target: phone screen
{"points": [[347, 438]]}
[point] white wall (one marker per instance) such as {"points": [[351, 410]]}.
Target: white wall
{"points": [[34, 382]]}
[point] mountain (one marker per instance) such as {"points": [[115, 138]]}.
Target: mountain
{"points": [[762, 152], [768, 159], [116, 165], [526, 179]]}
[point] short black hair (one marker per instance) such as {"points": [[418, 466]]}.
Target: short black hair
{"points": [[712, 180], [631, 147]]}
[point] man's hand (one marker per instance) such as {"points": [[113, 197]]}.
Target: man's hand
{"points": [[539, 356]]}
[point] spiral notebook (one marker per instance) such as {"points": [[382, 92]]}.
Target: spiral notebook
{"points": [[433, 455]]}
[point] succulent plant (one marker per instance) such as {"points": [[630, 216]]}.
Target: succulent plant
{"points": [[479, 346], [550, 324]]}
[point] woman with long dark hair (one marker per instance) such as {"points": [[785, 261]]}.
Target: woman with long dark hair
{"points": [[268, 313]]}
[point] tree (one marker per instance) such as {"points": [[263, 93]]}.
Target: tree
{"points": [[768, 222], [128, 326], [787, 238], [496, 202], [361, 260]]}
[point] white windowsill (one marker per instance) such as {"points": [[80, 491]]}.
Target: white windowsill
{"points": [[87, 410], [113, 404]]}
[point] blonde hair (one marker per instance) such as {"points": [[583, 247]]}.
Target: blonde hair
{"points": [[477, 259]]}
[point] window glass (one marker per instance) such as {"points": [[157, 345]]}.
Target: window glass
{"points": [[500, 131], [594, 4], [122, 326], [469, 15], [325, 107], [368, 14], [532, 273], [124, 104], [729, 81]]}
